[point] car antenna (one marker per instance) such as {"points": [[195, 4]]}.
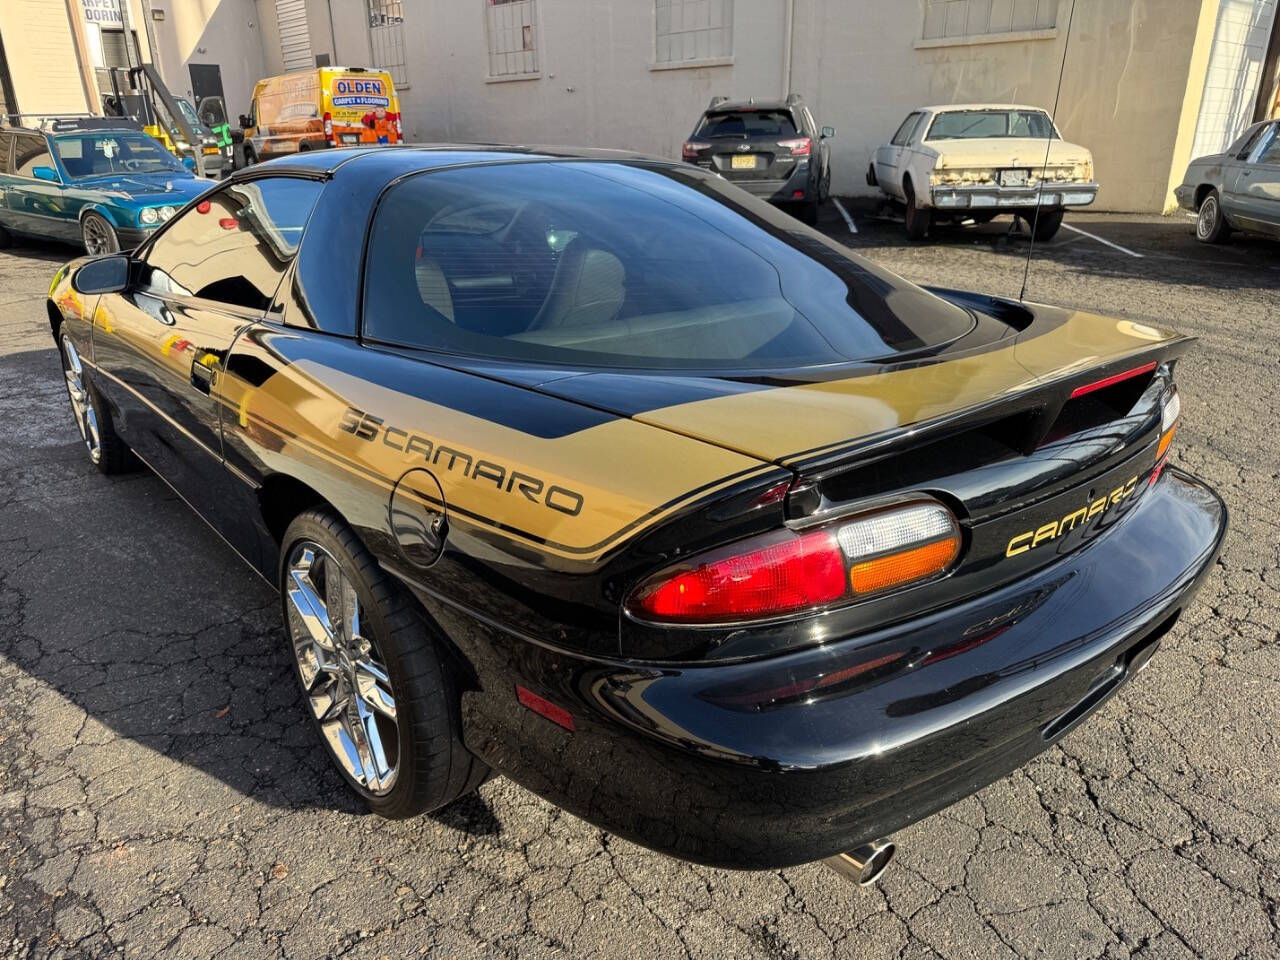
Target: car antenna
{"points": [[1048, 145]]}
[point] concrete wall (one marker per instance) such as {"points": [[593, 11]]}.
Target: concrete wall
{"points": [[224, 32], [860, 63]]}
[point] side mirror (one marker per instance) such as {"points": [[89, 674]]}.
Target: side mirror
{"points": [[828, 133], [245, 121], [109, 274], [46, 173], [189, 163]]}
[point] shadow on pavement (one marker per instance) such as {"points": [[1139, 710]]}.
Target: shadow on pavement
{"points": [[117, 596]]}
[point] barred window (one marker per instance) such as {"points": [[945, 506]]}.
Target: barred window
{"points": [[386, 37], [692, 30], [969, 18], [512, 28]]}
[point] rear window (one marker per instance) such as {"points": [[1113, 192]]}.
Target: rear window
{"points": [[627, 265], [981, 124], [740, 124]]}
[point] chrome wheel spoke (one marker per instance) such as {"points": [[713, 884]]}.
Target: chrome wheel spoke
{"points": [[81, 406], [345, 682], [374, 688]]}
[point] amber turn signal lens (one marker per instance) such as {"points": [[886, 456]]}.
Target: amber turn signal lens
{"points": [[905, 566], [1165, 441]]}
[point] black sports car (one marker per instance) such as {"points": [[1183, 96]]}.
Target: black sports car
{"points": [[595, 471]]}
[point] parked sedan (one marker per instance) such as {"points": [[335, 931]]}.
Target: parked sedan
{"points": [[594, 471], [977, 161], [98, 183], [1238, 189]]}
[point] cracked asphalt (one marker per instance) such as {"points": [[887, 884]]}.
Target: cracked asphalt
{"points": [[162, 796]]}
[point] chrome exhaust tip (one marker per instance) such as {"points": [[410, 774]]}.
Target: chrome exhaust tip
{"points": [[864, 864]]}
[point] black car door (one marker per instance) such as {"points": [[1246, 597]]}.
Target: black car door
{"points": [[162, 343]]}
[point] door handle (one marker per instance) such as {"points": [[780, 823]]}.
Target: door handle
{"points": [[202, 373]]}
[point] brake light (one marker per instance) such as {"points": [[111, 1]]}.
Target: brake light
{"points": [[786, 571], [328, 127], [799, 147], [1111, 381], [1168, 427], [691, 148], [399, 130]]}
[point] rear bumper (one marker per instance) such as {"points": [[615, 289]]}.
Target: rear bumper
{"points": [[780, 191], [725, 765], [985, 197]]}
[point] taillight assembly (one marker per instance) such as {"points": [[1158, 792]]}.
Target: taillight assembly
{"points": [[1169, 414], [800, 147], [328, 127], [786, 571], [691, 149]]}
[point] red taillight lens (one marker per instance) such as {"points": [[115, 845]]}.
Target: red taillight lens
{"points": [[1111, 381], [690, 149], [799, 148], [328, 127], [800, 570], [786, 572]]}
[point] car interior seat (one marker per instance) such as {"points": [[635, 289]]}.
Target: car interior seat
{"points": [[589, 287]]}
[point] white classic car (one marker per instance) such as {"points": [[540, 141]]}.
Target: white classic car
{"points": [[977, 161]]}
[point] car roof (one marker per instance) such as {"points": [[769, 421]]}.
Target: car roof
{"points": [[960, 107], [754, 104], [405, 158]]}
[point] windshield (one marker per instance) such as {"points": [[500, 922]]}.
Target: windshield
{"points": [[189, 113], [740, 124], [983, 124], [627, 265], [96, 154]]}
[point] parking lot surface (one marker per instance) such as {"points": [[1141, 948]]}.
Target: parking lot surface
{"points": [[161, 794]]}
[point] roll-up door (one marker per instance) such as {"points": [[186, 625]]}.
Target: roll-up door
{"points": [[295, 40]]}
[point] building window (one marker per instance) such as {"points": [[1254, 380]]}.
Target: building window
{"points": [[512, 27], [386, 38], [687, 30], [295, 37], [972, 18]]}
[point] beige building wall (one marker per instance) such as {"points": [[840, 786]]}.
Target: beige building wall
{"points": [[861, 64], [40, 46], [228, 33]]}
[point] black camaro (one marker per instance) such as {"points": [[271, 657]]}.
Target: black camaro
{"points": [[594, 471]]}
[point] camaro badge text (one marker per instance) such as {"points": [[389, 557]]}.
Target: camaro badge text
{"points": [[1056, 528]]}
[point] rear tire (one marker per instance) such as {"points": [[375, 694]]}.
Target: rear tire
{"points": [[1046, 226], [6, 238], [1211, 225], [373, 649], [250, 158], [918, 221]]}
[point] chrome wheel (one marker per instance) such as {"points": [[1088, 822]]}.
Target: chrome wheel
{"points": [[1208, 220], [341, 670], [98, 236], [81, 404]]}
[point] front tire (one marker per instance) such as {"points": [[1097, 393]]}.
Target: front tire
{"points": [[107, 451], [382, 697], [99, 236], [1211, 225]]}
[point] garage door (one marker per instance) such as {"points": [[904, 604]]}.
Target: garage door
{"points": [[295, 39]]}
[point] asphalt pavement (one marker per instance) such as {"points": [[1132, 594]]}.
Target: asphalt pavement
{"points": [[161, 794]]}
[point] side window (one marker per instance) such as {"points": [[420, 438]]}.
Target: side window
{"points": [[1244, 146], [1271, 152], [234, 245], [30, 151], [6, 151], [904, 131]]}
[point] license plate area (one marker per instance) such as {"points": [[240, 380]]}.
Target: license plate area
{"points": [[350, 138], [1014, 178], [743, 161]]}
